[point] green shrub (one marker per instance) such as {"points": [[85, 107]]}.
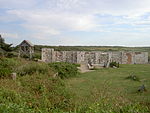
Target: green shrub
{"points": [[64, 69], [77, 65], [25, 56], [9, 63], [11, 54], [33, 67], [37, 56], [112, 64]]}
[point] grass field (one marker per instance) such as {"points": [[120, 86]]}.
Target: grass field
{"points": [[112, 83], [107, 90]]}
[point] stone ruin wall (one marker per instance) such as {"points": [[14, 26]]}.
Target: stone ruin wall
{"points": [[134, 57], [94, 57]]}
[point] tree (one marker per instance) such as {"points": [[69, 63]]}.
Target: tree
{"points": [[1, 41], [4, 46]]}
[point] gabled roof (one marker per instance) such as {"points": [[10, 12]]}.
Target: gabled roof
{"points": [[27, 42]]}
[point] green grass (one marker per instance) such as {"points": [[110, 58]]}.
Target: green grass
{"points": [[102, 91], [36, 93], [111, 83], [64, 69], [35, 90]]}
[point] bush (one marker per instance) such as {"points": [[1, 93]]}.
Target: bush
{"points": [[33, 67], [9, 63], [7, 66], [64, 69], [11, 54], [77, 65], [37, 56], [25, 56], [112, 64]]}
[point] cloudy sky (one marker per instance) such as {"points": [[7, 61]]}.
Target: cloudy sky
{"points": [[76, 22]]}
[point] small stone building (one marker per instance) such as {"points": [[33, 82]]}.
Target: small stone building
{"points": [[26, 49]]}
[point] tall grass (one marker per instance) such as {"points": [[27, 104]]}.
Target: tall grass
{"points": [[64, 69], [7, 66], [9, 63], [33, 67], [36, 91]]}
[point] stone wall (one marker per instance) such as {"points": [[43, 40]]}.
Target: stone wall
{"points": [[94, 57], [48, 55], [134, 57]]}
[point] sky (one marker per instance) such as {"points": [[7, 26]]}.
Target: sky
{"points": [[76, 22]]}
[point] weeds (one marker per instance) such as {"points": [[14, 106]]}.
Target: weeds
{"points": [[33, 67], [36, 91], [7, 66], [65, 70], [112, 64]]}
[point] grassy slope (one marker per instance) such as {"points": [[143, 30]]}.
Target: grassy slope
{"points": [[38, 91], [88, 87], [34, 90]]}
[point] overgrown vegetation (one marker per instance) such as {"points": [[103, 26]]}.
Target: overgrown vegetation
{"points": [[36, 93], [5, 49], [114, 64], [32, 68], [7, 66], [36, 90], [64, 69]]}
